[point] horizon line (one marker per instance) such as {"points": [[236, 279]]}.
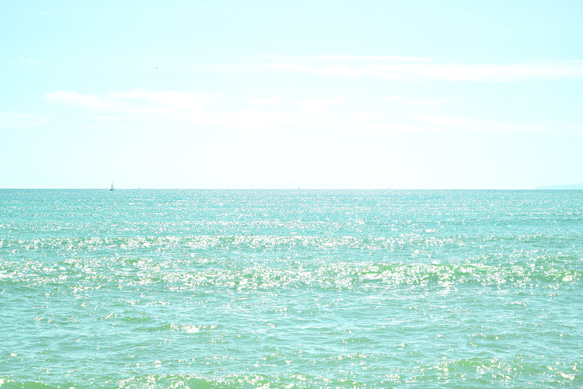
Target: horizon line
{"points": [[550, 187]]}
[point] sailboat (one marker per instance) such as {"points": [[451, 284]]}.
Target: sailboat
{"points": [[111, 190]]}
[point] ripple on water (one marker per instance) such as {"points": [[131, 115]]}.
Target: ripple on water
{"points": [[290, 289]]}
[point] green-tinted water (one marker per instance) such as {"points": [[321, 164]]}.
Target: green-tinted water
{"points": [[291, 288]]}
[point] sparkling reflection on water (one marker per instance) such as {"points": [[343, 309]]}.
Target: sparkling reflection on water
{"points": [[291, 288]]}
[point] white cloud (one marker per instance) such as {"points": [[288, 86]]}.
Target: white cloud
{"points": [[426, 101], [364, 116], [192, 107], [189, 106], [342, 70], [135, 101], [408, 68], [260, 101], [380, 121], [12, 119], [27, 61], [422, 101], [349, 58], [392, 99], [247, 119], [478, 72], [171, 99], [455, 122], [402, 127], [320, 106]]}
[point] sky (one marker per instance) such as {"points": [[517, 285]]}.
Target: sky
{"points": [[291, 94]]}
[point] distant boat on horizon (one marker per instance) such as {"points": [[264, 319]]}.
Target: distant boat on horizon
{"points": [[111, 190]]}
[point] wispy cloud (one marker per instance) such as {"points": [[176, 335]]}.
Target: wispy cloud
{"points": [[407, 68], [348, 58], [392, 99], [192, 107], [320, 106], [270, 101], [420, 101], [427, 101], [462, 123], [135, 101], [23, 61], [12, 119], [441, 123], [189, 106]]}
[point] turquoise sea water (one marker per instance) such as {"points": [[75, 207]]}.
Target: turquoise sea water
{"points": [[291, 289]]}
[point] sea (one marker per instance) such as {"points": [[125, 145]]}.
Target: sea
{"points": [[291, 288]]}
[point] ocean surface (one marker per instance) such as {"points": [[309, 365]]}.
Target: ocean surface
{"points": [[291, 289]]}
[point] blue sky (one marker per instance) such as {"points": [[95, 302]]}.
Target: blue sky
{"points": [[264, 94]]}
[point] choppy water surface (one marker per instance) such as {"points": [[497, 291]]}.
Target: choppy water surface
{"points": [[291, 289]]}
